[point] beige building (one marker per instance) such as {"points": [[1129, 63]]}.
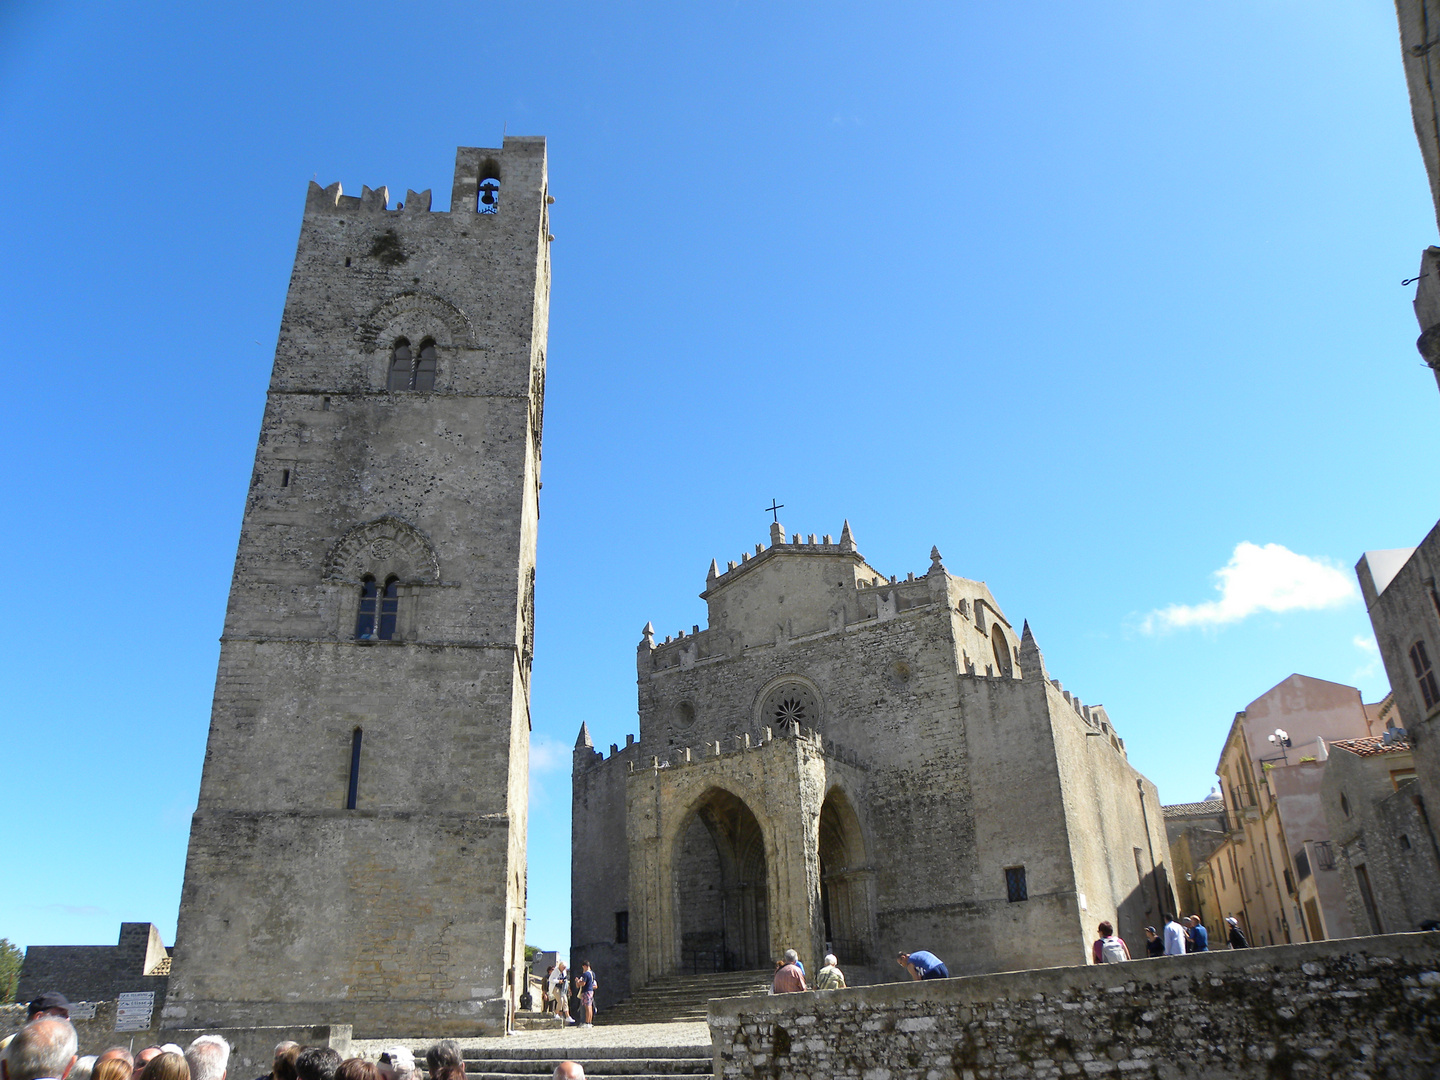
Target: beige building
{"points": [[844, 761], [358, 852], [1275, 871]]}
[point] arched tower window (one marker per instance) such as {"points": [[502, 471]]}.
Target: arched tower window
{"points": [[379, 609], [425, 366], [402, 365], [365, 620], [389, 608], [487, 199]]}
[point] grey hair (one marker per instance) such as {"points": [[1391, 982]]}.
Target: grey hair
{"points": [[42, 1048], [281, 1047], [444, 1053], [830, 960], [83, 1067], [208, 1057], [791, 956]]}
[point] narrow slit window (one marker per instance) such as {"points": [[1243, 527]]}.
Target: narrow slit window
{"points": [[365, 620], [389, 609], [1015, 889], [402, 366], [354, 791], [425, 366], [1424, 674], [285, 478]]}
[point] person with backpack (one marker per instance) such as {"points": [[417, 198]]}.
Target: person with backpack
{"points": [[1236, 935], [1109, 949]]}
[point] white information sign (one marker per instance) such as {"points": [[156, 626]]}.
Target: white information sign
{"points": [[134, 1010], [82, 1010]]}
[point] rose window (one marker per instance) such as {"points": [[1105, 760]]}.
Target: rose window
{"points": [[791, 704]]}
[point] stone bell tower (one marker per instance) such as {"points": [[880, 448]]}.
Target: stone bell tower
{"points": [[358, 853]]}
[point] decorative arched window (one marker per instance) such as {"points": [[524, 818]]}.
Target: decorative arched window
{"points": [[425, 366], [402, 366], [1001, 649], [412, 370], [1424, 674], [379, 609]]}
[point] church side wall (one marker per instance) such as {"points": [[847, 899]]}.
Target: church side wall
{"points": [[600, 870]]}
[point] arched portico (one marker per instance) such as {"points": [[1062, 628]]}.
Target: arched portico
{"points": [[845, 882], [721, 887]]}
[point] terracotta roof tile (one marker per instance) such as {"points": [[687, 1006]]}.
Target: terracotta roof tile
{"points": [[1372, 745], [1211, 808]]}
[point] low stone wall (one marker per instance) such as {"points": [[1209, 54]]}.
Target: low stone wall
{"points": [[1358, 1007]]}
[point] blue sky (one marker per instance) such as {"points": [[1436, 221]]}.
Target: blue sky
{"points": [[1100, 299]]}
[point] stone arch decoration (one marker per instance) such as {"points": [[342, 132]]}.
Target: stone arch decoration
{"points": [[790, 699], [416, 315], [384, 547]]}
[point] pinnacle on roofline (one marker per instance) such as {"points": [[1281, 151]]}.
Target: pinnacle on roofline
{"points": [[583, 742]]}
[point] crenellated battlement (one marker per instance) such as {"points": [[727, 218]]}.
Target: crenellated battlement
{"points": [[749, 742], [370, 200]]}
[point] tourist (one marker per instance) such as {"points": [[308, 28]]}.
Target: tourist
{"points": [[1174, 935], [111, 1068], [83, 1067], [444, 1061], [281, 1049], [829, 977], [923, 965], [1154, 943], [149, 1054], [1236, 936], [118, 1053], [1199, 937], [568, 1070], [586, 984], [559, 991], [167, 1065], [208, 1058], [545, 1004], [315, 1063], [357, 1069], [50, 1003], [1109, 949], [42, 1050], [789, 979], [397, 1063]]}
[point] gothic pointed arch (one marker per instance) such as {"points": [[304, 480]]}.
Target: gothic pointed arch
{"points": [[384, 548]]}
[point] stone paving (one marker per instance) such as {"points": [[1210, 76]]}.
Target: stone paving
{"points": [[637, 1036]]}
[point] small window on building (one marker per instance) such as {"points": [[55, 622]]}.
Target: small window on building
{"points": [[1015, 890], [402, 363], [425, 367], [622, 927], [365, 620], [1344, 804], [389, 608], [1001, 648], [1424, 674], [353, 792], [1404, 842]]}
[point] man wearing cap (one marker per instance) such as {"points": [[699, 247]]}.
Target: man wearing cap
{"points": [[50, 1003]]}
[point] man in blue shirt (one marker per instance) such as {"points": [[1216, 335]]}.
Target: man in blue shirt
{"points": [[1174, 935], [1199, 936], [923, 965]]}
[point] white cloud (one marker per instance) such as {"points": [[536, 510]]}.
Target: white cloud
{"points": [[548, 755], [1372, 654], [1256, 579]]}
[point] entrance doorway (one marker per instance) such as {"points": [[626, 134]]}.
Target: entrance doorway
{"points": [[844, 902], [721, 897]]}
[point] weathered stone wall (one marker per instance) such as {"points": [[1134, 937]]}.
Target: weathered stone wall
{"points": [[600, 869], [1358, 1007], [98, 972], [403, 914]]}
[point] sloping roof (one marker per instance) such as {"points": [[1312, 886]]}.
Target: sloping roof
{"points": [[1384, 565], [1371, 745], [1209, 808]]}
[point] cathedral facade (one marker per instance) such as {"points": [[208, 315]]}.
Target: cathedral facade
{"points": [[844, 762]]}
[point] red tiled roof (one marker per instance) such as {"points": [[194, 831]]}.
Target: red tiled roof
{"points": [[1371, 745], [1209, 808]]}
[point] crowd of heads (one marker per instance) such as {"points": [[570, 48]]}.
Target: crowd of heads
{"points": [[47, 1048]]}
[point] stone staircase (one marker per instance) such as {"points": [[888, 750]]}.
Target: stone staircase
{"points": [[684, 997], [609, 1062]]}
